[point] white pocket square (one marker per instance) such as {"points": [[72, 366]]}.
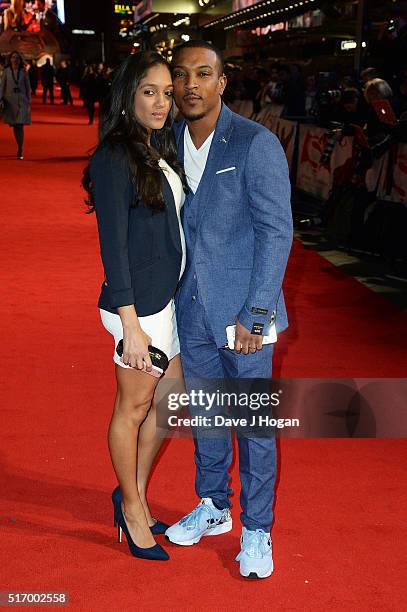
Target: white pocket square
{"points": [[226, 170]]}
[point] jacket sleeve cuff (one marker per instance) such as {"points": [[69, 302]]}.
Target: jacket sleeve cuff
{"points": [[125, 297], [256, 323]]}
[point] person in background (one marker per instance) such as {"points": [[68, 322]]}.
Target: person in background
{"points": [[102, 82], [89, 91], [16, 17], [291, 94], [33, 76], [2, 66], [15, 92], [368, 74], [377, 127], [310, 95], [63, 78], [46, 17], [47, 78], [401, 92], [269, 88], [352, 110]]}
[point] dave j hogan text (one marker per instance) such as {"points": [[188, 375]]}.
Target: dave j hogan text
{"points": [[256, 420]]}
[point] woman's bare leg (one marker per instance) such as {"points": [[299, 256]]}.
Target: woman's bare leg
{"points": [[135, 390], [150, 440]]}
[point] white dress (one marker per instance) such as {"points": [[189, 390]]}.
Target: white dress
{"points": [[161, 326]]}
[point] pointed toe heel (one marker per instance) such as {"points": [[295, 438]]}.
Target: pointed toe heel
{"points": [[153, 553], [157, 529]]}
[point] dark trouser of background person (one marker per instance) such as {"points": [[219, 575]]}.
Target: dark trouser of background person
{"points": [[66, 94], [90, 109], [48, 88], [18, 130], [34, 85]]}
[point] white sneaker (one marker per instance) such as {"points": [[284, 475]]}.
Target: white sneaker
{"points": [[256, 555], [204, 520]]}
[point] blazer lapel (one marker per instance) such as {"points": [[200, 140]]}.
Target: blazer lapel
{"points": [[214, 162], [179, 139]]}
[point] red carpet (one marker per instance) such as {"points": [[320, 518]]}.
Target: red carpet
{"points": [[340, 531]]}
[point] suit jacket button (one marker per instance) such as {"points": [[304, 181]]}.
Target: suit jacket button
{"points": [[193, 298]]}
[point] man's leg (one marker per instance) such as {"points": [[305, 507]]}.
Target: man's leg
{"points": [[257, 465], [257, 455], [201, 362], [213, 452]]}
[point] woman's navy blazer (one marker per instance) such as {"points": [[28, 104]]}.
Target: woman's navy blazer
{"points": [[141, 249]]}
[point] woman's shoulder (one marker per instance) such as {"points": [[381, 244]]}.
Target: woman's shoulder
{"points": [[109, 153]]}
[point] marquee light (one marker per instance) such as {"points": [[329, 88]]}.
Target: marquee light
{"points": [[86, 32], [347, 45], [124, 9], [250, 9]]}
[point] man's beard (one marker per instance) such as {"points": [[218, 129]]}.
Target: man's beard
{"points": [[194, 117]]}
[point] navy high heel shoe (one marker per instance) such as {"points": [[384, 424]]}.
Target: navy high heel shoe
{"points": [[158, 528], [153, 553]]}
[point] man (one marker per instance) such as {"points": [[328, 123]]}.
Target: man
{"points": [[47, 78], [238, 230], [63, 78], [33, 76], [291, 92]]}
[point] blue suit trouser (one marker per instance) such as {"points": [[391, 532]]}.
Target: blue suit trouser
{"points": [[202, 359]]}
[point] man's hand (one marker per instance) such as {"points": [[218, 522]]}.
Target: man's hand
{"points": [[245, 341]]}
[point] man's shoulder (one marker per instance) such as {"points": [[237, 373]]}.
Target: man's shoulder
{"points": [[244, 128]]}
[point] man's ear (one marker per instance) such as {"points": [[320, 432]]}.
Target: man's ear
{"points": [[222, 83]]}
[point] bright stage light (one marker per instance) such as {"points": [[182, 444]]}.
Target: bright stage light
{"points": [[61, 10]]}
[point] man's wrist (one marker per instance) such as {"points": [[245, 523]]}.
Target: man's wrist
{"points": [[254, 322]]}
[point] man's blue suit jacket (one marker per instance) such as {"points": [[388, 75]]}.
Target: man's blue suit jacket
{"points": [[243, 228]]}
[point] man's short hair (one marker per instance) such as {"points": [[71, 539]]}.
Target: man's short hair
{"points": [[369, 73], [199, 44], [350, 95]]}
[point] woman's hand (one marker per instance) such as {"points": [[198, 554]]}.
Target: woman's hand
{"points": [[135, 341], [135, 349]]}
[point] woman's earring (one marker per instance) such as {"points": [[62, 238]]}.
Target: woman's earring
{"points": [[123, 112]]}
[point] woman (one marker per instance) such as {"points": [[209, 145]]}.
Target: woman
{"points": [[15, 93], [135, 185], [16, 17], [381, 111]]}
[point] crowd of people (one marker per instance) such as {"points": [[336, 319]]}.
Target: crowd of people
{"points": [[322, 97], [325, 98], [19, 81]]}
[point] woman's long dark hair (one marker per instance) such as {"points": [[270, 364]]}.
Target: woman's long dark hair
{"points": [[120, 127], [20, 58]]}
